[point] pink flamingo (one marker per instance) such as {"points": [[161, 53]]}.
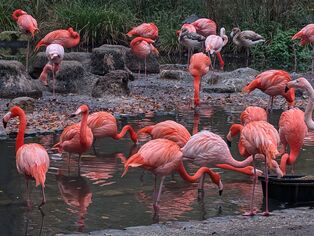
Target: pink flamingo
{"points": [[145, 30], [273, 83], [292, 131], [76, 138], [199, 66], [260, 137], [55, 54], [205, 26], [142, 47], [190, 28], [28, 25], [32, 159], [162, 157], [214, 44], [66, 38]]}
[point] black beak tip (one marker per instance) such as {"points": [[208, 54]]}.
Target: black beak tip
{"points": [[4, 124], [220, 192], [229, 143], [72, 115], [286, 89]]}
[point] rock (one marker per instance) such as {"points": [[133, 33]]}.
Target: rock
{"points": [[26, 103], [15, 82], [13, 36], [133, 63], [115, 82], [229, 82], [108, 58], [174, 74], [173, 67]]}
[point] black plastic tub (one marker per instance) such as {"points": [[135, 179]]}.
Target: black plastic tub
{"points": [[292, 189]]}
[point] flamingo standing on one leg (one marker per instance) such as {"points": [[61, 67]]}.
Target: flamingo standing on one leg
{"points": [[32, 159], [142, 47], [306, 35], [67, 38], [55, 54], [292, 131], [199, 66], [76, 138], [273, 83], [145, 30], [28, 25], [214, 44], [246, 38], [260, 137], [162, 157]]}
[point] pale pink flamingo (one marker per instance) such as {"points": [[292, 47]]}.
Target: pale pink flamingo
{"points": [[292, 131], [76, 138], [273, 83], [55, 54], [28, 25], [214, 44], [163, 157], [145, 30], [142, 48], [32, 159]]}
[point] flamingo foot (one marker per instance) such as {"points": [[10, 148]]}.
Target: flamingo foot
{"points": [[41, 204], [266, 213], [156, 209], [251, 213]]}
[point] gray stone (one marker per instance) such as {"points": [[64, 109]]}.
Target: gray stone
{"points": [[134, 63], [108, 58], [113, 83], [174, 74], [173, 67], [26, 103], [15, 82]]}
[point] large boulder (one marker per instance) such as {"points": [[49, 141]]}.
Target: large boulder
{"points": [[174, 74], [26, 103], [134, 63], [229, 82], [113, 83], [15, 82], [107, 58]]}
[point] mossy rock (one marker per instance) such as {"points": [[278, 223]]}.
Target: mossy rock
{"points": [[12, 36]]}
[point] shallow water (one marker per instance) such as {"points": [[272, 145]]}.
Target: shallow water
{"points": [[99, 198]]}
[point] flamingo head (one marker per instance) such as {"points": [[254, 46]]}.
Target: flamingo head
{"points": [[17, 13], [234, 31], [300, 83], [73, 33], [14, 111], [82, 109]]}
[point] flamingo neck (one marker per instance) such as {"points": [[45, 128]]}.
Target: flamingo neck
{"points": [[184, 174], [21, 132], [123, 132], [235, 129], [245, 170], [283, 162], [239, 164], [83, 129], [309, 107]]}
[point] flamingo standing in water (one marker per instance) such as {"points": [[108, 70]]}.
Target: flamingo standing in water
{"points": [[66, 38], [142, 47], [260, 137], [306, 35], [177, 133], [273, 83], [32, 159], [205, 26], [145, 30], [214, 44], [163, 157], [76, 138], [28, 25], [55, 54], [199, 66], [292, 131]]}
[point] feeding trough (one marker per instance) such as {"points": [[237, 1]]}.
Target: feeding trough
{"points": [[290, 188]]}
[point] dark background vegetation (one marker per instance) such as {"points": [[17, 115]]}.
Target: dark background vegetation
{"points": [[107, 21]]}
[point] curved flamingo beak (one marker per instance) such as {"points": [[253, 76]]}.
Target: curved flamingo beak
{"points": [[78, 111], [221, 188], [228, 142], [286, 88], [6, 118]]}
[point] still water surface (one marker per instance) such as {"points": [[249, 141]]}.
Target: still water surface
{"points": [[99, 198]]}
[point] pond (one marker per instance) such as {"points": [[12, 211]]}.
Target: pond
{"points": [[99, 198]]}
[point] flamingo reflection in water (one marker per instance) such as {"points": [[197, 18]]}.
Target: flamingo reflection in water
{"points": [[76, 193]]}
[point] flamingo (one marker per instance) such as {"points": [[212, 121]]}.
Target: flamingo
{"points": [[260, 137], [145, 30], [246, 38], [199, 66], [27, 25], [162, 157], [32, 159], [205, 26], [191, 40], [304, 84], [190, 28], [142, 47], [76, 138], [214, 44], [55, 54], [306, 35], [67, 38], [292, 131], [273, 83]]}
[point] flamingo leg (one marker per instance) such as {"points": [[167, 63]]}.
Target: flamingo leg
{"points": [[312, 57], [247, 56], [142, 177], [43, 202], [221, 61], [94, 148], [252, 211], [266, 213], [200, 190], [270, 105], [79, 164], [157, 199], [27, 194], [53, 80], [27, 55], [145, 66], [69, 159], [197, 82]]}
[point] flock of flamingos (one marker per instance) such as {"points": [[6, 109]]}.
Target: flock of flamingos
{"points": [[171, 143]]}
